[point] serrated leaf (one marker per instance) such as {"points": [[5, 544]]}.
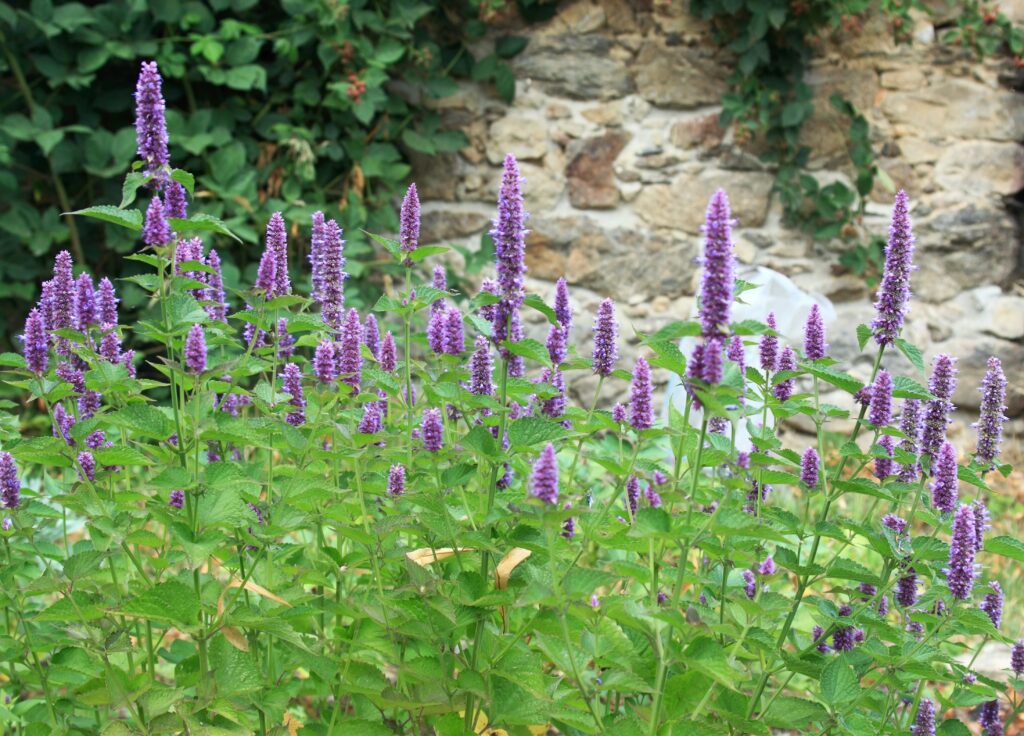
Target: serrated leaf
{"points": [[863, 335], [839, 683], [531, 431], [168, 602], [839, 379], [131, 219], [907, 388], [912, 352], [201, 222], [1006, 547]]}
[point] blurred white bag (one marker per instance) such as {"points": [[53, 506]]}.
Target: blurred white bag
{"points": [[775, 292]]}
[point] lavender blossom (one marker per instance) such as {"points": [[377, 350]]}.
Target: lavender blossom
{"points": [[897, 524], [944, 487], [992, 603], [818, 635], [906, 588], [960, 573], [924, 724], [711, 367], [563, 311], [767, 567], [769, 346], [106, 303], [988, 717], [1017, 658], [195, 350], [894, 289], [619, 413], [653, 497], [910, 425], [992, 414], [509, 236], [843, 636], [941, 384], [735, 353], [569, 525], [659, 478], [409, 223], [85, 303], [62, 424], [87, 463], [110, 347], [880, 409], [544, 481], [331, 276], [150, 123], [215, 289], [718, 262], [557, 344], [787, 362], [641, 412], [388, 353], [749, 584], [554, 407], [292, 380], [35, 343], [809, 465], [869, 591], [350, 354], [396, 480], [435, 330], [632, 495], [439, 281], [10, 486], [371, 336], [884, 466], [481, 368], [814, 335], [175, 200], [156, 231], [432, 430], [371, 420], [980, 523], [454, 336], [177, 499]]}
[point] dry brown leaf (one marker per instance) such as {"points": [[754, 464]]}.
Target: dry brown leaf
{"points": [[509, 563], [235, 638], [425, 555], [293, 724]]}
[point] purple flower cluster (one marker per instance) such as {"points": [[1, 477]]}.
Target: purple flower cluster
{"points": [[10, 486], [606, 332], [150, 122], [814, 335], [195, 350], [992, 603], [432, 430], [884, 464], [327, 252], [509, 234], [960, 572], [809, 464], [292, 380], [992, 416], [768, 348], [718, 265], [349, 357], [176, 499], [941, 384], [544, 480], [396, 480], [36, 343], [481, 369], [409, 223], [388, 353], [894, 290], [924, 724], [910, 425], [880, 408], [787, 362], [749, 584], [945, 483], [641, 412], [156, 230]]}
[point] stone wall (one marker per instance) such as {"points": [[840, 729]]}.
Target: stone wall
{"points": [[616, 126]]}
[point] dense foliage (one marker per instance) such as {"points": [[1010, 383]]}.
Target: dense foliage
{"points": [[281, 106], [299, 519]]}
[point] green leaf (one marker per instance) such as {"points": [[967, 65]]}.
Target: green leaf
{"points": [[418, 141], [131, 219], [907, 388], [531, 431], [794, 713], [185, 179], [839, 683], [533, 301], [529, 348], [202, 222], [912, 352], [863, 335], [121, 456], [143, 419], [952, 727], [707, 656], [1006, 547], [132, 182], [839, 379], [168, 602], [425, 251], [509, 46]]}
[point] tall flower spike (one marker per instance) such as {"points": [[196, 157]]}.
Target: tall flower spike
{"points": [[10, 486], [371, 335], [85, 303], [480, 368], [87, 463], [924, 724], [884, 465], [332, 298], [980, 523], [195, 350], [749, 584], [454, 341], [735, 352], [718, 262], [317, 248], [556, 344], [35, 343], [640, 410], [156, 231], [435, 331], [809, 464], [175, 200], [988, 718], [388, 354], [992, 416], [396, 480], [880, 409], [711, 366], [432, 430], [814, 335], [606, 331], [509, 235], [769, 346], [323, 362], [942, 385], [555, 406], [906, 588], [544, 481], [106, 303], [563, 310], [215, 289], [960, 573], [409, 223], [350, 355], [632, 496], [944, 487], [266, 273], [292, 380], [371, 421], [787, 362], [1017, 658], [277, 243], [910, 425], [150, 122], [992, 603], [439, 280], [62, 293], [894, 289]]}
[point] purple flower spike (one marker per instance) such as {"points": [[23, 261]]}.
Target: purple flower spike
{"points": [[988, 717], [767, 566], [619, 413], [175, 200], [388, 354], [277, 248], [924, 724], [735, 353], [717, 277], [632, 495], [454, 336], [317, 250], [569, 525], [880, 409], [439, 281], [910, 425], [85, 303], [711, 366], [292, 380], [960, 573], [150, 123], [843, 639], [557, 344], [555, 406], [409, 223], [787, 362], [177, 499], [481, 368], [653, 497], [35, 343], [942, 384], [563, 311], [371, 336], [544, 481], [329, 275], [509, 236], [218, 310], [156, 231], [396, 480], [323, 362], [88, 465], [195, 350], [106, 303], [814, 335], [10, 486], [809, 464], [435, 330], [818, 634], [884, 466], [980, 523], [749, 584], [894, 290], [992, 603], [350, 354], [641, 412], [371, 420], [992, 416], [944, 487], [896, 523], [432, 430], [1017, 658], [906, 588], [769, 346]]}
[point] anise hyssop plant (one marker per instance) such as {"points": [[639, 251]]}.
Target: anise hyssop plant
{"points": [[273, 513]]}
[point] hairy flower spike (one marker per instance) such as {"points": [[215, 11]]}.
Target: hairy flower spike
{"points": [[106, 303], [175, 200], [396, 480], [880, 409], [435, 331], [924, 724], [388, 354], [896, 523], [787, 362], [285, 341], [941, 384], [35, 343], [87, 463], [176, 499], [906, 588], [292, 380], [432, 430], [884, 466], [509, 236], [814, 335], [992, 603], [350, 355], [944, 487], [557, 344], [712, 368], [331, 276], [769, 346], [809, 465], [324, 367], [85, 303], [481, 368], [371, 421], [960, 573], [767, 566], [10, 486], [749, 584], [409, 223], [544, 480], [992, 414], [195, 350], [988, 718], [641, 412], [563, 310], [910, 425], [156, 231], [1017, 658], [718, 262], [980, 523], [218, 309], [606, 331], [150, 122], [894, 289], [371, 336]]}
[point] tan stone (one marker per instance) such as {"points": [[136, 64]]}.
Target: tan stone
{"points": [[438, 226], [542, 187], [910, 78], [679, 77], [957, 107], [574, 65], [609, 114], [525, 136], [681, 204], [981, 168], [620, 15], [1004, 317], [589, 173], [918, 150], [699, 132], [579, 17]]}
